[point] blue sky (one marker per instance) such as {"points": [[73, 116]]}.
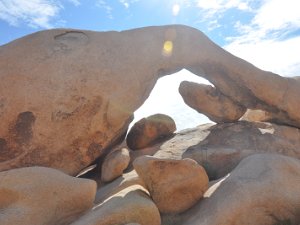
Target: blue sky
{"points": [[263, 32]]}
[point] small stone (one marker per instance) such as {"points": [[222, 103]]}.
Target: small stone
{"points": [[114, 164], [150, 130]]}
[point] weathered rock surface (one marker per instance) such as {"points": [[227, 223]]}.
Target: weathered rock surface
{"points": [[150, 130], [114, 164], [211, 102], [174, 185], [131, 205], [262, 190], [227, 144], [38, 195], [65, 103]]}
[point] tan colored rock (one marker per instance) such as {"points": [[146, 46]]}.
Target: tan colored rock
{"points": [[39, 195], [227, 144], [114, 164], [174, 185], [211, 102], [131, 205], [150, 130], [262, 190], [65, 103]]}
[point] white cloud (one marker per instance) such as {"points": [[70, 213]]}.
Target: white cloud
{"points": [[264, 41], [212, 7], [281, 57], [104, 5], [125, 3], [35, 13], [278, 14]]}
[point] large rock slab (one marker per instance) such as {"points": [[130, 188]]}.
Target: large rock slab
{"points": [[262, 190], [227, 144], [174, 185], [211, 102], [38, 195], [131, 205], [149, 131], [65, 103]]}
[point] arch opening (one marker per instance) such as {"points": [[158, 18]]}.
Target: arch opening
{"points": [[166, 99]]}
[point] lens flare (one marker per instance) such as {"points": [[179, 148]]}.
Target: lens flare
{"points": [[176, 9], [168, 48]]}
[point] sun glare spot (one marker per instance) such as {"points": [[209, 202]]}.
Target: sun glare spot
{"points": [[168, 48], [176, 9]]}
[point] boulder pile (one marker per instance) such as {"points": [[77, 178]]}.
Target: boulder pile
{"points": [[67, 157]]}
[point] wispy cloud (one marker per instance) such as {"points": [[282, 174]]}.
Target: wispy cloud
{"points": [[267, 41], [35, 13], [212, 7], [75, 2], [104, 5], [127, 3]]}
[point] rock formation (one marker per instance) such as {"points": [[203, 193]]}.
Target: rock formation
{"points": [[65, 102], [150, 130], [220, 147], [67, 98]]}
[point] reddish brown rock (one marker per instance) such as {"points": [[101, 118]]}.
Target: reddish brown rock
{"points": [[174, 185], [39, 195], [114, 164], [211, 102], [150, 130]]}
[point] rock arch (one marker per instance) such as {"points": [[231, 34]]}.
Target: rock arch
{"points": [[83, 86]]}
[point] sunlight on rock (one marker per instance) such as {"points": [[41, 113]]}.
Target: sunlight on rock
{"points": [[168, 48], [214, 187], [166, 99], [176, 9]]}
